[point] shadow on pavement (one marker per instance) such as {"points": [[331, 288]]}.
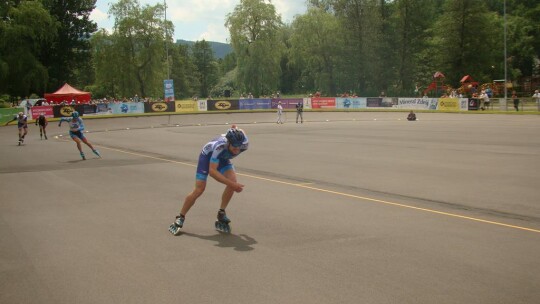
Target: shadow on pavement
{"points": [[239, 242]]}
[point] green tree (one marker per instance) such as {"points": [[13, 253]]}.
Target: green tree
{"points": [[468, 41], [314, 45], [207, 66], [139, 41], [410, 21], [25, 29], [365, 61], [183, 71], [68, 57], [253, 27]]}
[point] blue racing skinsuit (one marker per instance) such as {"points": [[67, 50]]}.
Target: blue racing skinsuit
{"points": [[217, 151], [76, 126]]}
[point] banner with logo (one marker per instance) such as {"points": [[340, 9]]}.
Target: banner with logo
{"points": [[185, 106], [202, 105], [158, 107], [168, 86], [127, 108], [88, 109], [45, 110], [473, 104], [223, 105], [286, 103], [374, 102], [449, 104], [323, 102], [254, 104], [414, 103], [351, 103], [66, 111]]}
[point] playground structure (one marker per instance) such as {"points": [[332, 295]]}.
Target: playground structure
{"points": [[436, 85]]}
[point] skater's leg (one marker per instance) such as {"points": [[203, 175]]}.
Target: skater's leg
{"points": [[78, 142], [190, 200], [85, 140], [96, 152], [228, 192]]}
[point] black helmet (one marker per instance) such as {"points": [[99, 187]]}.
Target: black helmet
{"points": [[235, 137]]}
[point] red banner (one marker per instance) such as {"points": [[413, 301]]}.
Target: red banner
{"points": [[323, 102], [45, 110]]}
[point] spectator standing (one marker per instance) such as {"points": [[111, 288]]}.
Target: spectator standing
{"points": [[279, 113], [536, 98], [299, 112], [516, 100]]}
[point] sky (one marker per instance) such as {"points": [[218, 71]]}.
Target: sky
{"points": [[195, 20]]}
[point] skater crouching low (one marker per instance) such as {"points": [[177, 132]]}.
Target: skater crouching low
{"points": [[215, 160]]}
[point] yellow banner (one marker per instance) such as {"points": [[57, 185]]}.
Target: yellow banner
{"points": [[185, 106], [448, 104]]}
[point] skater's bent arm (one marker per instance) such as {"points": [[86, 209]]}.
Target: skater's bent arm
{"points": [[214, 173]]}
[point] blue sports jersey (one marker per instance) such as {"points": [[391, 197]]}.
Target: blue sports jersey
{"points": [[74, 124], [217, 151]]}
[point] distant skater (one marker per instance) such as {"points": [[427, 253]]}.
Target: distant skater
{"points": [[22, 125], [42, 122], [76, 128]]}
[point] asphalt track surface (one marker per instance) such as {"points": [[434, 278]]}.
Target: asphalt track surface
{"points": [[362, 208]]}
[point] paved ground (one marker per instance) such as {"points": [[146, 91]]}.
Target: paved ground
{"points": [[362, 208]]}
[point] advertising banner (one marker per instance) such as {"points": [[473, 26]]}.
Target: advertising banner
{"points": [[185, 106], [388, 102], [449, 104], [414, 103], [65, 111], [473, 104], [254, 104], [222, 105], [45, 110], [307, 103], [127, 108], [88, 109], [374, 102], [202, 104], [168, 87], [158, 107], [286, 103], [103, 109], [351, 103], [323, 102]]}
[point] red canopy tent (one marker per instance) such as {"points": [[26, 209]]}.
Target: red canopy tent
{"points": [[68, 93]]}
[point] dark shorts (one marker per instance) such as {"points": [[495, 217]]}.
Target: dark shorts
{"points": [[203, 166], [78, 134]]}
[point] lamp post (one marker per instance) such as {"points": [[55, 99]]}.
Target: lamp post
{"points": [[505, 56], [167, 40]]}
